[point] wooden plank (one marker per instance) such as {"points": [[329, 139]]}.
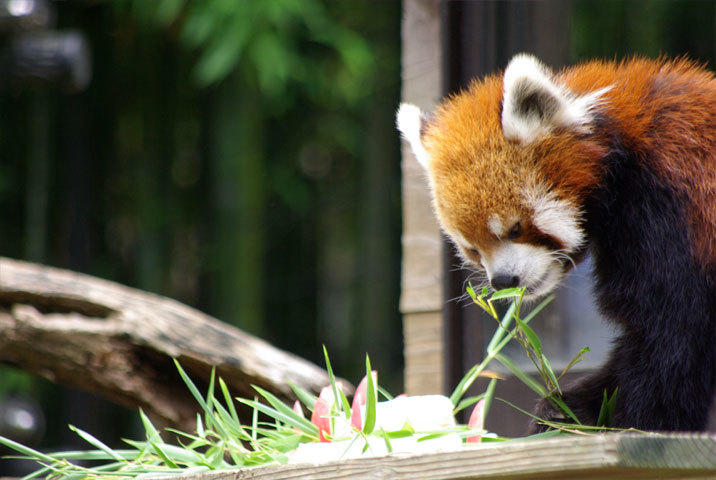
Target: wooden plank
{"points": [[421, 291], [423, 352], [616, 456], [422, 85]]}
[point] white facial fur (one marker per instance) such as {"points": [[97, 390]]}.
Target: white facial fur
{"points": [[536, 268], [555, 217], [539, 269], [410, 121], [534, 104]]}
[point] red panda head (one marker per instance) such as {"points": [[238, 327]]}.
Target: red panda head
{"points": [[509, 163]]}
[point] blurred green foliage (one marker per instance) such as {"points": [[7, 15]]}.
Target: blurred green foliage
{"points": [[267, 42], [239, 156], [618, 28]]}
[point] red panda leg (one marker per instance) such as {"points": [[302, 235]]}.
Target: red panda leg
{"points": [[650, 283]]}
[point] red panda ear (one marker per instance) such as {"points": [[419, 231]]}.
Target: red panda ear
{"points": [[534, 103], [411, 122]]}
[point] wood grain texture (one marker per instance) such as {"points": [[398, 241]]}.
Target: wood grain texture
{"points": [[421, 299], [119, 342], [616, 456], [422, 86]]}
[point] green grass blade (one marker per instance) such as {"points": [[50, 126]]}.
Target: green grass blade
{"points": [[96, 443], [525, 378], [228, 400], [563, 406], [534, 417], [149, 429], [332, 379], [507, 293], [466, 381], [489, 393], [370, 401], [471, 291], [304, 396], [200, 399], [577, 358], [547, 367], [385, 393], [285, 418], [210, 400], [298, 421], [502, 329], [162, 454], [602, 418], [42, 472], [468, 402], [33, 454], [532, 337], [255, 418], [606, 410], [388, 445]]}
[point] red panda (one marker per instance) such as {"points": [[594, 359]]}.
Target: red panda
{"points": [[531, 169]]}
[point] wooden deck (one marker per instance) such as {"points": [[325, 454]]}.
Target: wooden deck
{"points": [[616, 456]]}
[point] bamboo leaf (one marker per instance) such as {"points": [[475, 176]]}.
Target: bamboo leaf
{"points": [[228, 400], [526, 379], [548, 369], [96, 443], [489, 393], [577, 358], [307, 399], [165, 458], [507, 293], [291, 419], [297, 420], [371, 397], [532, 337], [388, 446], [210, 400], [602, 420], [200, 399], [471, 291], [606, 410], [150, 430], [26, 450], [468, 402], [502, 329], [564, 408]]}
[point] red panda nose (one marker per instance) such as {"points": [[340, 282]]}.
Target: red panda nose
{"points": [[500, 282]]}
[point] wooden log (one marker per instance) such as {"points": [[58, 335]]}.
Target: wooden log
{"points": [[613, 456], [118, 342]]}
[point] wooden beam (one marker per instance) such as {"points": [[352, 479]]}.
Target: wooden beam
{"points": [[119, 342], [421, 296], [613, 456]]}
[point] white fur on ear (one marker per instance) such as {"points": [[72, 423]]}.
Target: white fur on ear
{"points": [[410, 123], [533, 103]]}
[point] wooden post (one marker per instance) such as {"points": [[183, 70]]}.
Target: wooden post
{"points": [[421, 298]]}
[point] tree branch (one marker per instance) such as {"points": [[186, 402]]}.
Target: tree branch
{"points": [[118, 342]]}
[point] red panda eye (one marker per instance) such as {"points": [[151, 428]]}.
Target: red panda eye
{"points": [[473, 251], [515, 231]]}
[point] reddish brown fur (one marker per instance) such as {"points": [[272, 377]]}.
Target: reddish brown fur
{"points": [[666, 110], [663, 110]]}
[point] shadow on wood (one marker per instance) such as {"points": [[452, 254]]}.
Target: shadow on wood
{"points": [[118, 342]]}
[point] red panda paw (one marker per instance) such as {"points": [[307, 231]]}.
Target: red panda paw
{"points": [[546, 413]]}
